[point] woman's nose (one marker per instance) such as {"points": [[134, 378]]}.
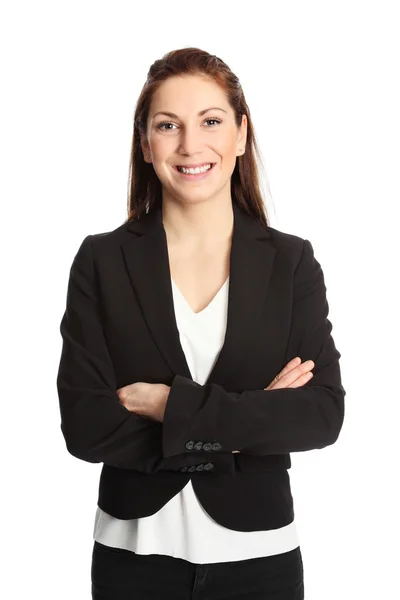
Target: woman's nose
{"points": [[190, 141]]}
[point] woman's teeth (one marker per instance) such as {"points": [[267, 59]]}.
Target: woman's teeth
{"points": [[202, 169]]}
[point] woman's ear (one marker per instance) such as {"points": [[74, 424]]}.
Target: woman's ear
{"points": [[145, 148], [242, 138]]}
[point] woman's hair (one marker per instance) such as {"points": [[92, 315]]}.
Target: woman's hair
{"points": [[144, 187]]}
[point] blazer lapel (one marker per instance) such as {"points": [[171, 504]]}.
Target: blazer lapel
{"points": [[251, 262]]}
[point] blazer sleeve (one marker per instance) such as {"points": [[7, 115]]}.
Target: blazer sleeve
{"points": [[95, 425], [263, 422]]}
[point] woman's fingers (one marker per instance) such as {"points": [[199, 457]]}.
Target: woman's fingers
{"points": [[294, 374], [302, 380], [295, 362]]}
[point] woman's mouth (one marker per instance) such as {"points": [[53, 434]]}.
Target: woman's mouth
{"points": [[190, 175]]}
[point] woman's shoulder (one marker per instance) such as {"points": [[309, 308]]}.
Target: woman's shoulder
{"points": [[285, 242], [111, 237], [285, 237]]}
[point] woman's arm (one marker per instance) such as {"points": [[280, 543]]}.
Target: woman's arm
{"points": [[263, 422], [95, 425]]}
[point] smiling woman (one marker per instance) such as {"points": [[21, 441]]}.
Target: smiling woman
{"points": [[191, 112], [181, 369], [205, 146]]}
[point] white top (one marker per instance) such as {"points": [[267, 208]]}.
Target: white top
{"points": [[182, 528]]}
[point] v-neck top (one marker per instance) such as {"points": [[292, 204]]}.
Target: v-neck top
{"points": [[178, 294], [182, 528]]}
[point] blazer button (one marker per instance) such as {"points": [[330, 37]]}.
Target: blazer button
{"points": [[199, 467], [189, 445], [192, 469], [183, 469], [207, 446], [198, 446], [216, 446], [208, 466]]}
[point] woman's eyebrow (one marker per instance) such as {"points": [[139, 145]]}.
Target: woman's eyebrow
{"points": [[174, 116]]}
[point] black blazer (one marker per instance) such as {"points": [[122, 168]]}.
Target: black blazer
{"points": [[119, 327]]}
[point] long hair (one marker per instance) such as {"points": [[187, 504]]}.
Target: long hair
{"points": [[144, 187]]}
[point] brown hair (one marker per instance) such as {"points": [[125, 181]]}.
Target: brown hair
{"points": [[144, 187]]}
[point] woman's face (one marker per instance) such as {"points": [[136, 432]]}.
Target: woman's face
{"points": [[193, 138]]}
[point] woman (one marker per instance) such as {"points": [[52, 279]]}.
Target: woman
{"points": [[197, 354]]}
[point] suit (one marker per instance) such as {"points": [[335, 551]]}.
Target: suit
{"points": [[119, 327]]}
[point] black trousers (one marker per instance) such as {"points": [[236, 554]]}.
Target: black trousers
{"points": [[119, 574]]}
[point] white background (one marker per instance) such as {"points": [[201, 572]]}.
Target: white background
{"points": [[322, 82]]}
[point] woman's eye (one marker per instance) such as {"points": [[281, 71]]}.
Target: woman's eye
{"points": [[215, 120], [164, 123]]}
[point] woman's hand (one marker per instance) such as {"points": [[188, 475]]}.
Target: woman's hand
{"points": [[145, 399], [294, 375]]}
